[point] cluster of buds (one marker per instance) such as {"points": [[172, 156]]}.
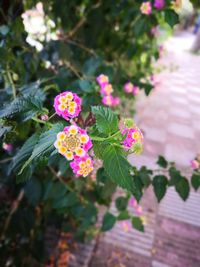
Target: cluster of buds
{"points": [[7, 147], [146, 7], [73, 142], [106, 91], [129, 88], [133, 141]]}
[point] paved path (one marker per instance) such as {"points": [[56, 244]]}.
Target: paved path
{"points": [[170, 118]]}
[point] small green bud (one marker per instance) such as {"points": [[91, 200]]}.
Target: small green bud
{"points": [[137, 148], [129, 123]]}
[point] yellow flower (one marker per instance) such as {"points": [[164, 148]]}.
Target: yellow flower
{"points": [[61, 136], [62, 107], [63, 99], [69, 96], [73, 130], [72, 104], [177, 5], [80, 152], [71, 110], [69, 155], [62, 149], [84, 138]]}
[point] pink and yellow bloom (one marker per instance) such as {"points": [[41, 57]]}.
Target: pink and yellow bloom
{"points": [[146, 8], [126, 225], [73, 141], [67, 105], [102, 79], [159, 4], [133, 139], [106, 89], [82, 166]]}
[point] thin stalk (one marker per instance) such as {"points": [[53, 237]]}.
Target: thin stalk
{"points": [[11, 83]]}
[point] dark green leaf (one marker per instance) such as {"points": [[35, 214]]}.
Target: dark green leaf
{"points": [[175, 176], [106, 120], [162, 162], [124, 215], [121, 203], [195, 180], [108, 222], [44, 144], [183, 188], [33, 191], [171, 17], [137, 224], [145, 176], [160, 186]]}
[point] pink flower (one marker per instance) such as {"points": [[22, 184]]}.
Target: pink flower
{"points": [[128, 87], [106, 89], [135, 90], [133, 139], [82, 166], [108, 100], [44, 117], [132, 202], [73, 141], [138, 210], [67, 105], [116, 101], [159, 4], [194, 164], [146, 8], [7, 147], [102, 79], [126, 225]]}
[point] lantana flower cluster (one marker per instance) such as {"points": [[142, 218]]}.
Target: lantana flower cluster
{"points": [[133, 140], [67, 105], [129, 88], [73, 142], [195, 163], [106, 91], [146, 7]]}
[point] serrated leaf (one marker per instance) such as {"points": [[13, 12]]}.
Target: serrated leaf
{"points": [[108, 222], [106, 120], [137, 224], [44, 144], [195, 180], [24, 153], [145, 176], [160, 186], [99, 148], [162, 162], [117, 167], [183, 188]]}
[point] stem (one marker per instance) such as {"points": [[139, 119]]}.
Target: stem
{"points": [[52, 116], [96, 138], [11, 83], [40, 121]]}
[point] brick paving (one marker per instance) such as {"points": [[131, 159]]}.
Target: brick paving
{"points": [[170, 119]]}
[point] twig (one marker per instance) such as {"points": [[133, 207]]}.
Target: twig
{"points": [[11, 83], [15, 206], [80, 45], [5, 160], [59, 178], [73, 69]]}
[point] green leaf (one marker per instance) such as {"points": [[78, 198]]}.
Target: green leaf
{"points": [[25, 152], [162, 162], [86, 86], [121, 203], [44, 144], [160, 186], [68, 200], [117, 167], [145, 176], [137, 224], [99, 148], [108, 222], [106, 120], [171, 17], [175, 176], [195, 180], [124, 215], [91, 65], [183, 188]]}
